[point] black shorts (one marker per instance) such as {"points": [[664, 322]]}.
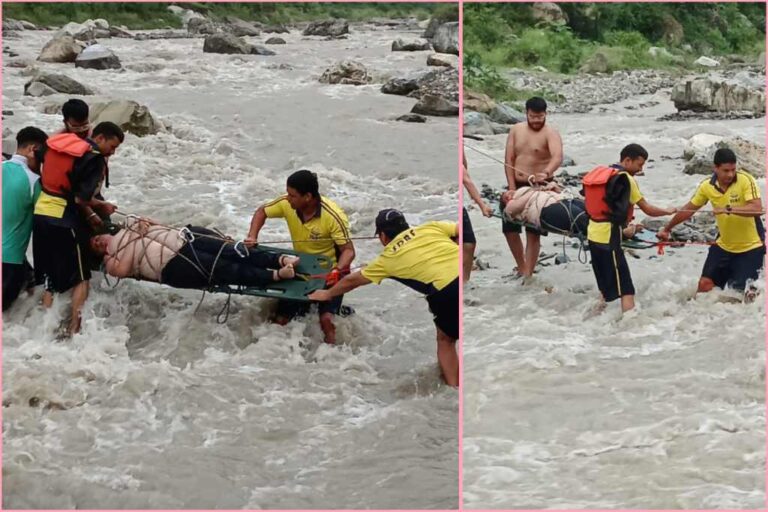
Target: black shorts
{"points": [[567, 215], [16, 277], [60, 254], [467, 232], [444, 306], [291, 309], [509, 227], [733, 269], [610, 267]]}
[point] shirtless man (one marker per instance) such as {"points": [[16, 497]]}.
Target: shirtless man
{"points": [[534, 152], [194, 257]]}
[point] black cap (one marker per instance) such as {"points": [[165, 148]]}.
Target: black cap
{"points": [[390, 218]]}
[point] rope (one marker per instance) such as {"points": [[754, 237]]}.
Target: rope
{"points": [[497, 160]]}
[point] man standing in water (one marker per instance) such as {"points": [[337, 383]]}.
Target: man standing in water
{"points": [[605, 234], [534, 152], [21, 188], [424, 258], [317, 226], [72, 171], [739, 252]]}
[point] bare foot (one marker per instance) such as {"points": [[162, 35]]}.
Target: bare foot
{"points": [[287, 259], [287, 272], [595, 310]]}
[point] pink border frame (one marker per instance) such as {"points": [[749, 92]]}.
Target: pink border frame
{"points": [[460, 4]]}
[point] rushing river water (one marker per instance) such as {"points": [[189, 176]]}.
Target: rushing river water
{"points": [[661, 408], [154, 406]]}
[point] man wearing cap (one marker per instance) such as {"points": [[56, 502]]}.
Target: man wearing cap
{"points": [[317, 226], [425, 258]]}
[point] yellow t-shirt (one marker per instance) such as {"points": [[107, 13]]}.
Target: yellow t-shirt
{"points": [[422, 257], [600, 232], [737, 233], [320, 234]]}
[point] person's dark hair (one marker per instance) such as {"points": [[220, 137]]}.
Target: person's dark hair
{"points": [[75, 109], [633, 151], [536, 104], [30, 135], [304, 182], [393, 231], [108, 129], [391, 222], [725, 156]]}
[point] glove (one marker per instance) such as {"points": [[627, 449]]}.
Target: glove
{"points": [[335, 275]]}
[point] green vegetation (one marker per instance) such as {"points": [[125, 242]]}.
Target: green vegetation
{"points": [[156, 15], [603, 37]]}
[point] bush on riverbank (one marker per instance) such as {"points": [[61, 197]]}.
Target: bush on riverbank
{"points": [[602, 38]]}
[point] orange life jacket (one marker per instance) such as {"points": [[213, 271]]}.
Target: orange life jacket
{"points": [[596, 184], [63, 149]]}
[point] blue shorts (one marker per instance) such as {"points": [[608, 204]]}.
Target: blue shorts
{"points": [[733, 269]]}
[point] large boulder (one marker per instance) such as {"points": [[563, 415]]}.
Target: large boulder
{"points": [[241, 27], [415, 45], [405, 85], [476, 123], [59, 83], [185, 14], [412, 118], [128, 115], [201, 26], [10, 25], [60, 49], [275, 40], [346, 72], [97, 56], [717, 94], [478, 102], [28, 25], [443, 59], [506, 115], [750, 156], [597, 63], [120, 32], [430, 105], [38, 89], [225, 43], [275, 29], [699, 144], [548, 12], [432, 27], [442, 82], [329, 28], [85, 31], [261, 50], [446, 38], [706, 62]]}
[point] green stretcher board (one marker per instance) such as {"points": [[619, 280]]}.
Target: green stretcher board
{"points": [[645, 239], [310, 276]]}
